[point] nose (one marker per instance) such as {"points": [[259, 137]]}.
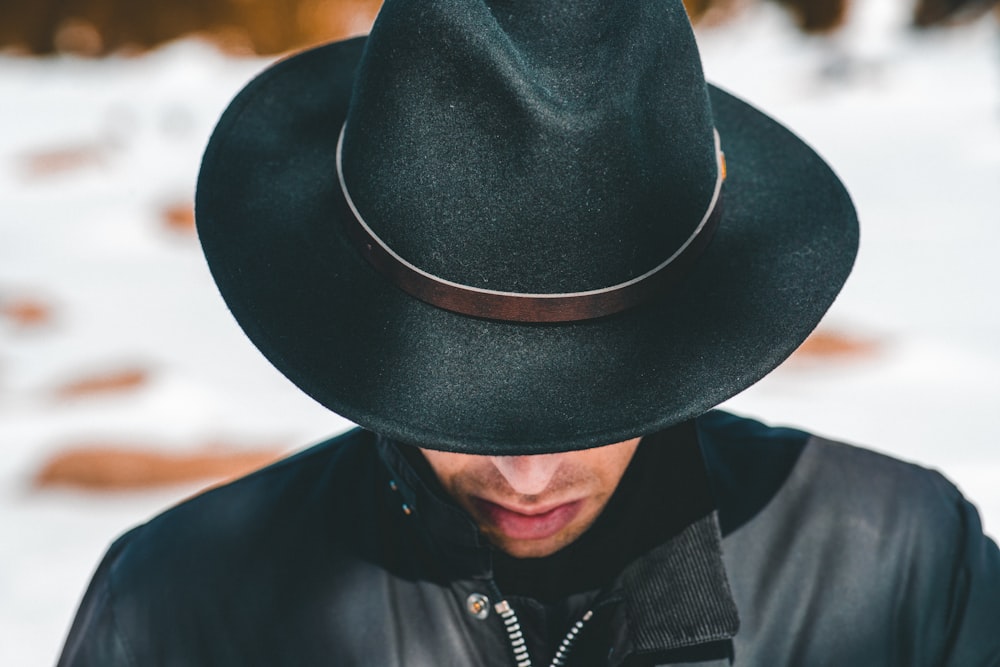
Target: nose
{"points": [[527, 475]]}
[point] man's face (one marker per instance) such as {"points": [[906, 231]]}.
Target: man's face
{"points": [[533, 506]]}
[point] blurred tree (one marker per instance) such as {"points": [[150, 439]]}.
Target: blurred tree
{"points": [[930, 13], [817, 15], [100, 27], [812, 16]]}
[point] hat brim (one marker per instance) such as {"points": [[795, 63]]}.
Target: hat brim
{"points": [[270, 218]]}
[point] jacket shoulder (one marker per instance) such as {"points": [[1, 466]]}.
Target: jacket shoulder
{"points": [[860, 543], [247, 509], [241, 543], [753, 465]]}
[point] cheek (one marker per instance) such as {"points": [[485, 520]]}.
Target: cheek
{"points": [[610, 467], [443, 464], [455, 472]]}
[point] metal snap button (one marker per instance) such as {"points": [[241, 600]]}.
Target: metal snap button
{"points": [[478, 605]]}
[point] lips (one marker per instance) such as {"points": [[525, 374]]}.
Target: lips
{"points": [[527, 524]]}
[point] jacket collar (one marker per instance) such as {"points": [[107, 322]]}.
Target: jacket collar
{"points": [[677, 595], [674, 594], [447, 530]]}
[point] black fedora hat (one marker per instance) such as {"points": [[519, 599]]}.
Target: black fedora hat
{"points": [[501, 228]]}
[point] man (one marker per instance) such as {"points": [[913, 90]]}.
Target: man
{"points": [[529, 247]]}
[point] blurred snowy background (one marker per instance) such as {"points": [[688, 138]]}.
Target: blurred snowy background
{"points": [[125, 386]]}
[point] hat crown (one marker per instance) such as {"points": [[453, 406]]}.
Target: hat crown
{"points": [[537, 147]]}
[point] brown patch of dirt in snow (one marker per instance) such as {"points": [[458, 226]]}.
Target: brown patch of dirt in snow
{"points": [[107, 382], [102, 466], [26, 312], [823, 344], [46, 163], [179, 217]]}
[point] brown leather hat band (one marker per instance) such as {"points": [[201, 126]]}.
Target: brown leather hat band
{"points": [[520, 307]]}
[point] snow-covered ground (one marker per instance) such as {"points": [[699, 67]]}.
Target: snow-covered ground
{"points": [[93, 151]]}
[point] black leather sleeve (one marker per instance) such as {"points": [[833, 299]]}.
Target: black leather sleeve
{"points": [[974, 610], [95, 639]]}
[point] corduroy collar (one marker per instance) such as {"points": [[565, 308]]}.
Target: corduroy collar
{"points": [[674, 595]]}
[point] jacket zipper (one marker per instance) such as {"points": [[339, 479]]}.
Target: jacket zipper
{"points": [[517, 643]]}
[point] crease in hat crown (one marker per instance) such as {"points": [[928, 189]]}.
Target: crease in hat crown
{"points": [[517, 153]]}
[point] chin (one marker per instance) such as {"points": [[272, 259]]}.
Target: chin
{"points": [[533, 548]]}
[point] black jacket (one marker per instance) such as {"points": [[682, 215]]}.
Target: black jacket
{"points": [[344, 555]]}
